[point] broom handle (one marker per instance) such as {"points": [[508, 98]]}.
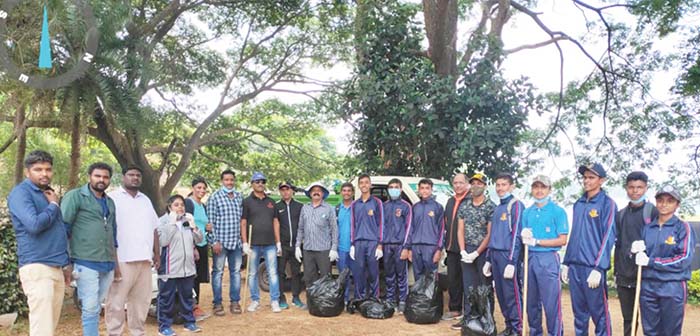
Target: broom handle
{"points": [[247, 268], [635, 310], [526, 329]]}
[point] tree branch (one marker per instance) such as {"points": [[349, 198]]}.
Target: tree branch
{"points": [[535, 45]]}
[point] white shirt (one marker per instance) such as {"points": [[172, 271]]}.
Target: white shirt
{"points": [[136, 220]]}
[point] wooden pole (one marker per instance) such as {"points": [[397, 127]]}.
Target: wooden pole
{"points": [[637, 291], [526, 329], [247, 269]]}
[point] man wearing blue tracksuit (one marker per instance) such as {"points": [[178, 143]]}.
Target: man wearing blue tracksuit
{"points": [[427, 231], [504, 254], [397, 223], [665, 253], [366, 233], [545, 229], [587, 258]]}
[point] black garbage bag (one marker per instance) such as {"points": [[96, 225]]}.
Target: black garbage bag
{"points": [[424, 302], [480, 321], [326, 295], [372, 308]]}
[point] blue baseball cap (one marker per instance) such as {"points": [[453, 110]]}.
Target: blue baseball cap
{"points": [[595, 168], [257, 176]]}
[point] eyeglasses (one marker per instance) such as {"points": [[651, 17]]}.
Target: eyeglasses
{"points": [[259, 182]]}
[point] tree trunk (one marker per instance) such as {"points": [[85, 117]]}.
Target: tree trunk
{"points": [[21, 130], [441, 29], [74, 170]]}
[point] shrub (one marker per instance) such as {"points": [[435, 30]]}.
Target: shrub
{"points": [[12, 298]]}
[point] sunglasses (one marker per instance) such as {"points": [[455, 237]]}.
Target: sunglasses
{"points": [[259, 182]]}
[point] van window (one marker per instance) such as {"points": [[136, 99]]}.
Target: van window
{"points": [[382, 192], [441, 191]]}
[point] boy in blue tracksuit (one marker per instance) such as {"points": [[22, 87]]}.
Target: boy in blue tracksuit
{"points": [[665, 253], [587, 258], [397, 224], [366, 233], [504, 253], [427, 232], [545, 229]]}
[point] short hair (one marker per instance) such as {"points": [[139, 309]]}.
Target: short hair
{"points": [[131, 167], [637, 176], [395, 180], [426, 181], [505, 176], [349, 185], [197, 180], [37, 156], [172, 199], [362, 176], [101, 166], [227, 172]]}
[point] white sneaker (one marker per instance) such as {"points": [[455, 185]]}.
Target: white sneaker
{"points": [[253, 306], [276, 307]]}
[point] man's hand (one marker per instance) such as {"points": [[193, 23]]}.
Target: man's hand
{"points": [[404, 254], [196, 255], [436, 256], [333, 255], [68, 274], [156, 262], [51, 196], [565, 274], [352, 252], [298, 254], [117, 273], [641, 259], [410, 255], [246, 249], [594, 279], [487, 269], [209, 227], [278, 247], [508, 272], [638, 246], [216, 248], [378, 254]]}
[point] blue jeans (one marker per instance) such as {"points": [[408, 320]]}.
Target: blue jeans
{"points": [[345, 262], [235, 259], [92, 289], [269, 252]]}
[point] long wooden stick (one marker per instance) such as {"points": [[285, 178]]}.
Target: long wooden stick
{"points": [[247, 268], [637, 291], [526, 329]]}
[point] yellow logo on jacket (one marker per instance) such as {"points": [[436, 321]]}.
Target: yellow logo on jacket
{"points": [[370, 212], [593, 213], [670, 240], [503, 216], [431, 214], [398, 212]]}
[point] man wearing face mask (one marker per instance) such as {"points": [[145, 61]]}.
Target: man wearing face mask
{"points": [[629, 224], [545, 228], [474, 231], [397, 221], [504, 254]]}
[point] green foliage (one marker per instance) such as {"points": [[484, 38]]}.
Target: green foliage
{"points": [[12, 298], [694, 288]]}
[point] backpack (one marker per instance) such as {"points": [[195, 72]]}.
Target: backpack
{"points": [[646, 212]]}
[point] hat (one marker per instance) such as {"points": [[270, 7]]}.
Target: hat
{"points": [[285, 184], [257, 176], [595, 168], [316, 184], [478, 176], [669, 190], [542, 179]]}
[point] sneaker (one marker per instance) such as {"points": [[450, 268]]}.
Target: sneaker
{"points": [[456, 326], [192, 327], [401, 308], [275, 307], [284, 305], [451, 315], [253, 306], [235, 308], [166, 332], [200, 314], [297, 302], [219, 310]]}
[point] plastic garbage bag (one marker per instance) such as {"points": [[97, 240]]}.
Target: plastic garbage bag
{"points": [[372, 308], [425, 301], [326, 296], [480, 321]]}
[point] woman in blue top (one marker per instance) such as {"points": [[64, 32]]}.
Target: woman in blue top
{"points": [[665, 253], [195, 206]]}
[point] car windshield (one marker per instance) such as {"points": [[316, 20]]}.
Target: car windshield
{"points": [[441, 191]]}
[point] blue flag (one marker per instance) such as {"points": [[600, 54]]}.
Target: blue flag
{"points": [[45, 49]]}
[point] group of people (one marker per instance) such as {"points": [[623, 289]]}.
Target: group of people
{"points": [[108, 242]]}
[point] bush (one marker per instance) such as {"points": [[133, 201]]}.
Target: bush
{"points": [[694, 288], [12, 298]]}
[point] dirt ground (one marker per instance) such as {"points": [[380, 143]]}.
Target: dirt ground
{"points": [[298, 322]]}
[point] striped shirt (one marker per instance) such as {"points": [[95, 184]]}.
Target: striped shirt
{"points": [[317, 228], [225, 216]]}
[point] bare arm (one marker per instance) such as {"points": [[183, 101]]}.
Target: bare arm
{"points": [[276, 229], [556, 242], [460, 234], [485, 243], [244, 230]]}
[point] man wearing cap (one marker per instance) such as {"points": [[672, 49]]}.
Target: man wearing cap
{"points": [[366, 234], [259, 215], [545, 229], [318, 234], [587, 258], [288, 211], [473, 235], [629, 223], [453, 259], [504, 253], [665, 253], [397, 218]]}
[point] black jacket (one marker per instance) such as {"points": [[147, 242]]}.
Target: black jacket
{"points": [[629, 223], [288, 232], [451, 244]]}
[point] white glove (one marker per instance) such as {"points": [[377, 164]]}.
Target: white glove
{"points": [[487, 269], [508, 272], [465, 257], [172, 217], [279, 248], [246, 249], [190, 219], [378, 254], [352, 252], [526, 233], [529, 241], [594, 279], [472, 256], [638, 246], [642, 259], [297, 254], [333, 255], [565, 274]]}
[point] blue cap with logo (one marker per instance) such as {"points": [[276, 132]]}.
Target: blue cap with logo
{"points": [[595, 168], [258, 176]]}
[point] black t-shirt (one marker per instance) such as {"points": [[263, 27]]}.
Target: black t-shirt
{"points": [[260, 213], [629, 229]]}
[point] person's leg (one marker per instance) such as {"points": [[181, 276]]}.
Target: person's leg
{"points": [[359, 274], [235, 258], [202, 267], [548, 276], [217, 275], [498, 264], [373, 270], [578, 287], [626, 296], [469, 282], [59, 287], [295, 267], [184, 294], [343, 264], [310, 269], [598, 307], [116, 299], [650, 309], [417, 262], [390, 271], [402, 274], [673, 307], [508, 291], [38, 284], [139, 297], [534, 295], [284, 258], [256, 254], [271, 266], [167, 289], [454, 281]]}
